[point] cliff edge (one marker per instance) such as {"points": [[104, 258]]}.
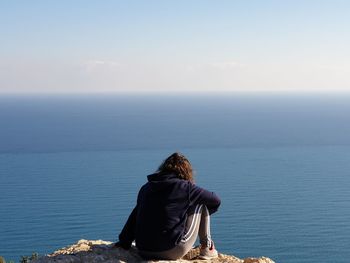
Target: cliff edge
{"points": [[103, 251]]}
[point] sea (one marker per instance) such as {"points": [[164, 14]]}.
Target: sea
{"points": [[71, 167]]}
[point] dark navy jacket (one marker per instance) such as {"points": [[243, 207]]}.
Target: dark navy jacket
{"points": [[157, 223]]}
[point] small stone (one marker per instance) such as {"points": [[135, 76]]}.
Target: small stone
{"points": [[258, 260]]}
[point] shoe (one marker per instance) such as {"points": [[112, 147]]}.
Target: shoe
{"points": [[208, 252]]}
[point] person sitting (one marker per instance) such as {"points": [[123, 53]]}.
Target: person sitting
{"points": [[170, 213]]}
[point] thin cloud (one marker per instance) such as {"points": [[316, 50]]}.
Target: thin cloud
{"points": [[335, 68], [92, 65], [225, 65]]}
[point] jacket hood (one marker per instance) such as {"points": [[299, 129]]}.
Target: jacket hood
{"points": [[161, 177]]}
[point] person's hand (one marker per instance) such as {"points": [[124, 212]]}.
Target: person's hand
{"points": [[122, 245]]}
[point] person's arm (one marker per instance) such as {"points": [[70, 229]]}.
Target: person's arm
{"points": [[200, 195], [127, 236]]}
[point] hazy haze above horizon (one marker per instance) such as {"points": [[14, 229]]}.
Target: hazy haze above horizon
{"points": [[179, 46]]}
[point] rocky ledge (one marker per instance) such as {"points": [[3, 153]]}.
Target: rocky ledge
{"points": [[103, 251]]}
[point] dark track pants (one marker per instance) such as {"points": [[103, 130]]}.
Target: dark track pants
{"points": [[197, 224]]}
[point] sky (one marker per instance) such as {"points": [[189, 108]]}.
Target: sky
{"points": [[174, 46]]}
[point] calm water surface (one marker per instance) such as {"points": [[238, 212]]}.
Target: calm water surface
{"points": [[71, 167]]}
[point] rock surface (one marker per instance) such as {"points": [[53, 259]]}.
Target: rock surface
{"points": [[103, 251]]}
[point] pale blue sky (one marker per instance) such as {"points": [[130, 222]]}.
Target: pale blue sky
{"points": [[142, 46]]}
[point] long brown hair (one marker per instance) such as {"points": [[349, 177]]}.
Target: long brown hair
{"points": [[178, 164]]}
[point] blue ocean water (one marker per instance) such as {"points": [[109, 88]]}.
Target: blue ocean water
{"points": [[71, 167]]}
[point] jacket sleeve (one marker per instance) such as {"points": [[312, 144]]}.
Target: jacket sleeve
{"points": [[200, 195], [127, 236]]}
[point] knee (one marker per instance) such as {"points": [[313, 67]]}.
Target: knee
{"points": [[205, 210]]}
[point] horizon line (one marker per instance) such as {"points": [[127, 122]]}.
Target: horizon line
{"points": [[174, 92]]}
